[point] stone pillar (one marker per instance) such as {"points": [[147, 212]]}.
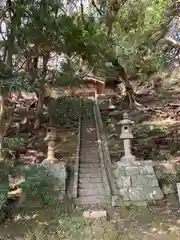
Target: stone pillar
{"points": [[54, 168], [50, 139], [126, 136]]}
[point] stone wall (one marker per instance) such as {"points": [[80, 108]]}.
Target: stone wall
{"points": [[136, 182]]}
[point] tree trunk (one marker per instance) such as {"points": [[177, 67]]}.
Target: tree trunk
{"points": [[2, 111], [8, 57], [129, 91], [41, 92]]}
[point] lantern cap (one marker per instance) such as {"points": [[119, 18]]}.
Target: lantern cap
{"points": [[125, 120]]}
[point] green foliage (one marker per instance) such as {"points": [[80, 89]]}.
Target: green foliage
{"points": [[146, 131], [45, 26], [4, 184], [64, 110], [87, 108], [138, 27], [38, 187]]}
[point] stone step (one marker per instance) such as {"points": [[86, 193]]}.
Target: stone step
{"points": [[86, 154], [89, 160], [90, 175], [91, 192], [84, 185], [89, 151], [90, 170], [92, 200], [92, 180], [90, 165]]}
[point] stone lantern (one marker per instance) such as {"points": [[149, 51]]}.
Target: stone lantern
{"points": [[50, 139], [111, 105], [126, 135]]}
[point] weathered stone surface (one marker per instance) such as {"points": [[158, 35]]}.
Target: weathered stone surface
{"points": [[115, 201], [144, 180], [147, 169], [152, 181], [124, 193], [91, 192], [136, 193], [92, 199], [127, 164], [136, 203], [153, 193], [57, 171], [146, 163], [139, 180], [141, 193], [123, 181], [178, 190], [119, 171], [131, 170], [95, 214]]}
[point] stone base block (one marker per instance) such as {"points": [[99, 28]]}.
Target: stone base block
{"points": [[137, 182], [57, 171]]}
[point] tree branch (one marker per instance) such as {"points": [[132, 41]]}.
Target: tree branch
{"points": [[173, 42], [97, 9]]}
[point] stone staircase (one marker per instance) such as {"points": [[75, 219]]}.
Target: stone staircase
{"points": [[91, 189]]}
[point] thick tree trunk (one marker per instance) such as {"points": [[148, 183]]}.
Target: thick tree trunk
{"points": [[2, 111], [41, 92], [9, 63], [129, 91]]}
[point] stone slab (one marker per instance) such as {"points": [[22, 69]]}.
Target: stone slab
{"points": [[123, 182], [90, 175], [141, 193], [139, 180], [144, 180], [146, 169], [95, 214], [90, 170], [86, 185], [93, 180], [152, 181], [92, 199], [91, 192], [119, 171], [131, 170]]}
